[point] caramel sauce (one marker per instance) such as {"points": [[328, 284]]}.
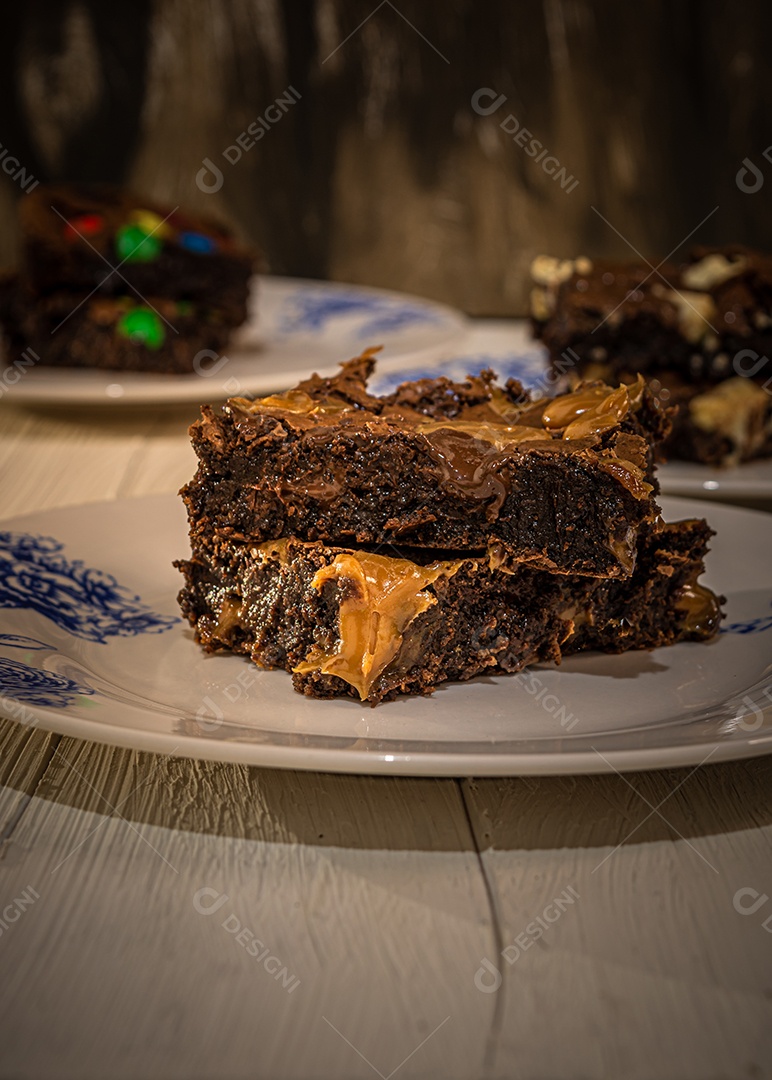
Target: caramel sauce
{"points": [[702, 611], [380, 598], [292, 401], [228, 618], [588, 411], [501, 436], [628, 474]]}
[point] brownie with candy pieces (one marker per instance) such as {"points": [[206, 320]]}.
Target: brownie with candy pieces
{"points": [[115, 281], [116, 333], [74, 237]]}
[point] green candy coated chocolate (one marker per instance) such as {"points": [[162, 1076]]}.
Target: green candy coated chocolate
{"points": [[134, 244], [142, 324]]}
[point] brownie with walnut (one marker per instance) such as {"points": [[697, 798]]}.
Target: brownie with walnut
{"points": [[355, 623], [700, 331], [563, 486]]}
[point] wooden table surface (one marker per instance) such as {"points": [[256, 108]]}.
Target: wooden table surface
{"points": [[139, 893]]}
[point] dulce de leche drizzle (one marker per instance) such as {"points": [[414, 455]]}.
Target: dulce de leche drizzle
{"points": [[588, 411], [702, 611], [471, 454], [295, 402], [380, 597], [585, 412]]}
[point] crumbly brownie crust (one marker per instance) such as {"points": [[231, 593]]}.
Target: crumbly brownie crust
{"points": [[364, 625], [563, 487]]}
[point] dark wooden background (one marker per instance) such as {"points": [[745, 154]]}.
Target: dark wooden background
{"points": [[382, 172]]}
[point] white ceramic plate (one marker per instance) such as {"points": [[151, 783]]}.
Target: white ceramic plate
{"points": [[506, 346], [296, 327], [91, 646]]}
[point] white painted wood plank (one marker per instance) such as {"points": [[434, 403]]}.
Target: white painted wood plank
{"points": [[645, 968], [24, 755], [59, 460], [367, 890], [166, 460], [55, 457]]}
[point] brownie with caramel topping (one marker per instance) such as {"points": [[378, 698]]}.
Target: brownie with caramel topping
{"points": [[356, 623], [563, 486]]}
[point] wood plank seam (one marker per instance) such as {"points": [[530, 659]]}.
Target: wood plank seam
{"points": [[7, 833], [497, 1018]]}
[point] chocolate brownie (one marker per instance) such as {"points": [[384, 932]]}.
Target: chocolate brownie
{"points": [[619, 314], [356, 623], [119, 333], [703, 334], [724, 424], [563, 486], [73, 236]]}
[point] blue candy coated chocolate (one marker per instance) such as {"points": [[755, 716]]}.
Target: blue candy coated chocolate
{"points": [[197, 242]]}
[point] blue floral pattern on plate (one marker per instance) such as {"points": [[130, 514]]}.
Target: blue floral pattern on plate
{"points": [[527, 366], [310, 310], [35, 686], [19, 641], [750, 626], [89, 603]]}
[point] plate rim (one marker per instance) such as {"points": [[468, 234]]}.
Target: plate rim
{"points": [[380, 762], [27, 394], [371, 762]]}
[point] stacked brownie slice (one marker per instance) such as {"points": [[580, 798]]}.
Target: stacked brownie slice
{"points": [[700, 332], [374, 546], [111, 280]]}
